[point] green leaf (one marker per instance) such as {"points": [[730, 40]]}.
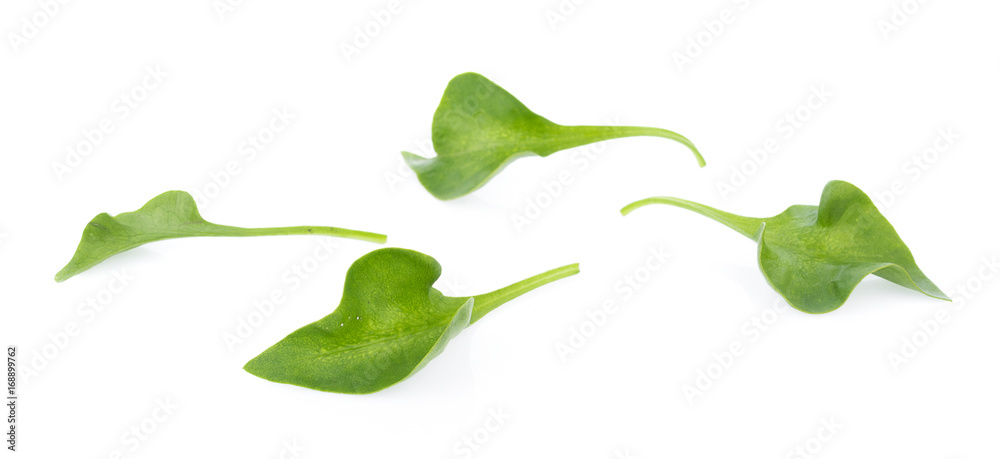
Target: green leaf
{"points": [[389, 324], [814, 256], [170, 215], [479, 128]]}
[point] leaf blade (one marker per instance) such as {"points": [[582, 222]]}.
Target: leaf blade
{"points": [[170, 215], [479, 128], [390, 323], [815, 256]]}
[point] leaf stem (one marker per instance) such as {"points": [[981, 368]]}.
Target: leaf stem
{"points": [[236, 231], [489, 301], [746, 226], [617, 132]]}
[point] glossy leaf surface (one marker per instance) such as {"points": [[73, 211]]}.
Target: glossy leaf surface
{"points": [[479, 128], [390, 322], [170, 215], [814, 256]]}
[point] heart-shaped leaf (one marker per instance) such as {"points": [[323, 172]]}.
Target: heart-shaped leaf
{"points": [[170, 215], [479, 128], [814, 256], [389, 324]]}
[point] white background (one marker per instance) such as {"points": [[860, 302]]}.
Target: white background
{"points": [[619, 394]]}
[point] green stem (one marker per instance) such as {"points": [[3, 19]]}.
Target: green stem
{"points": [[746, 226], [632, 131], [236, 231], [574, 136], [489, 301]]}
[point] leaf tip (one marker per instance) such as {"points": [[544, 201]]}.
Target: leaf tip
{"points": [[67, 272], [412, 158], [253, 366]]}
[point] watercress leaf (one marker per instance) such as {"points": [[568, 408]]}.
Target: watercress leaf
{"points": [[390, 322], [479, 128], [170, 215], [814, 256]]}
